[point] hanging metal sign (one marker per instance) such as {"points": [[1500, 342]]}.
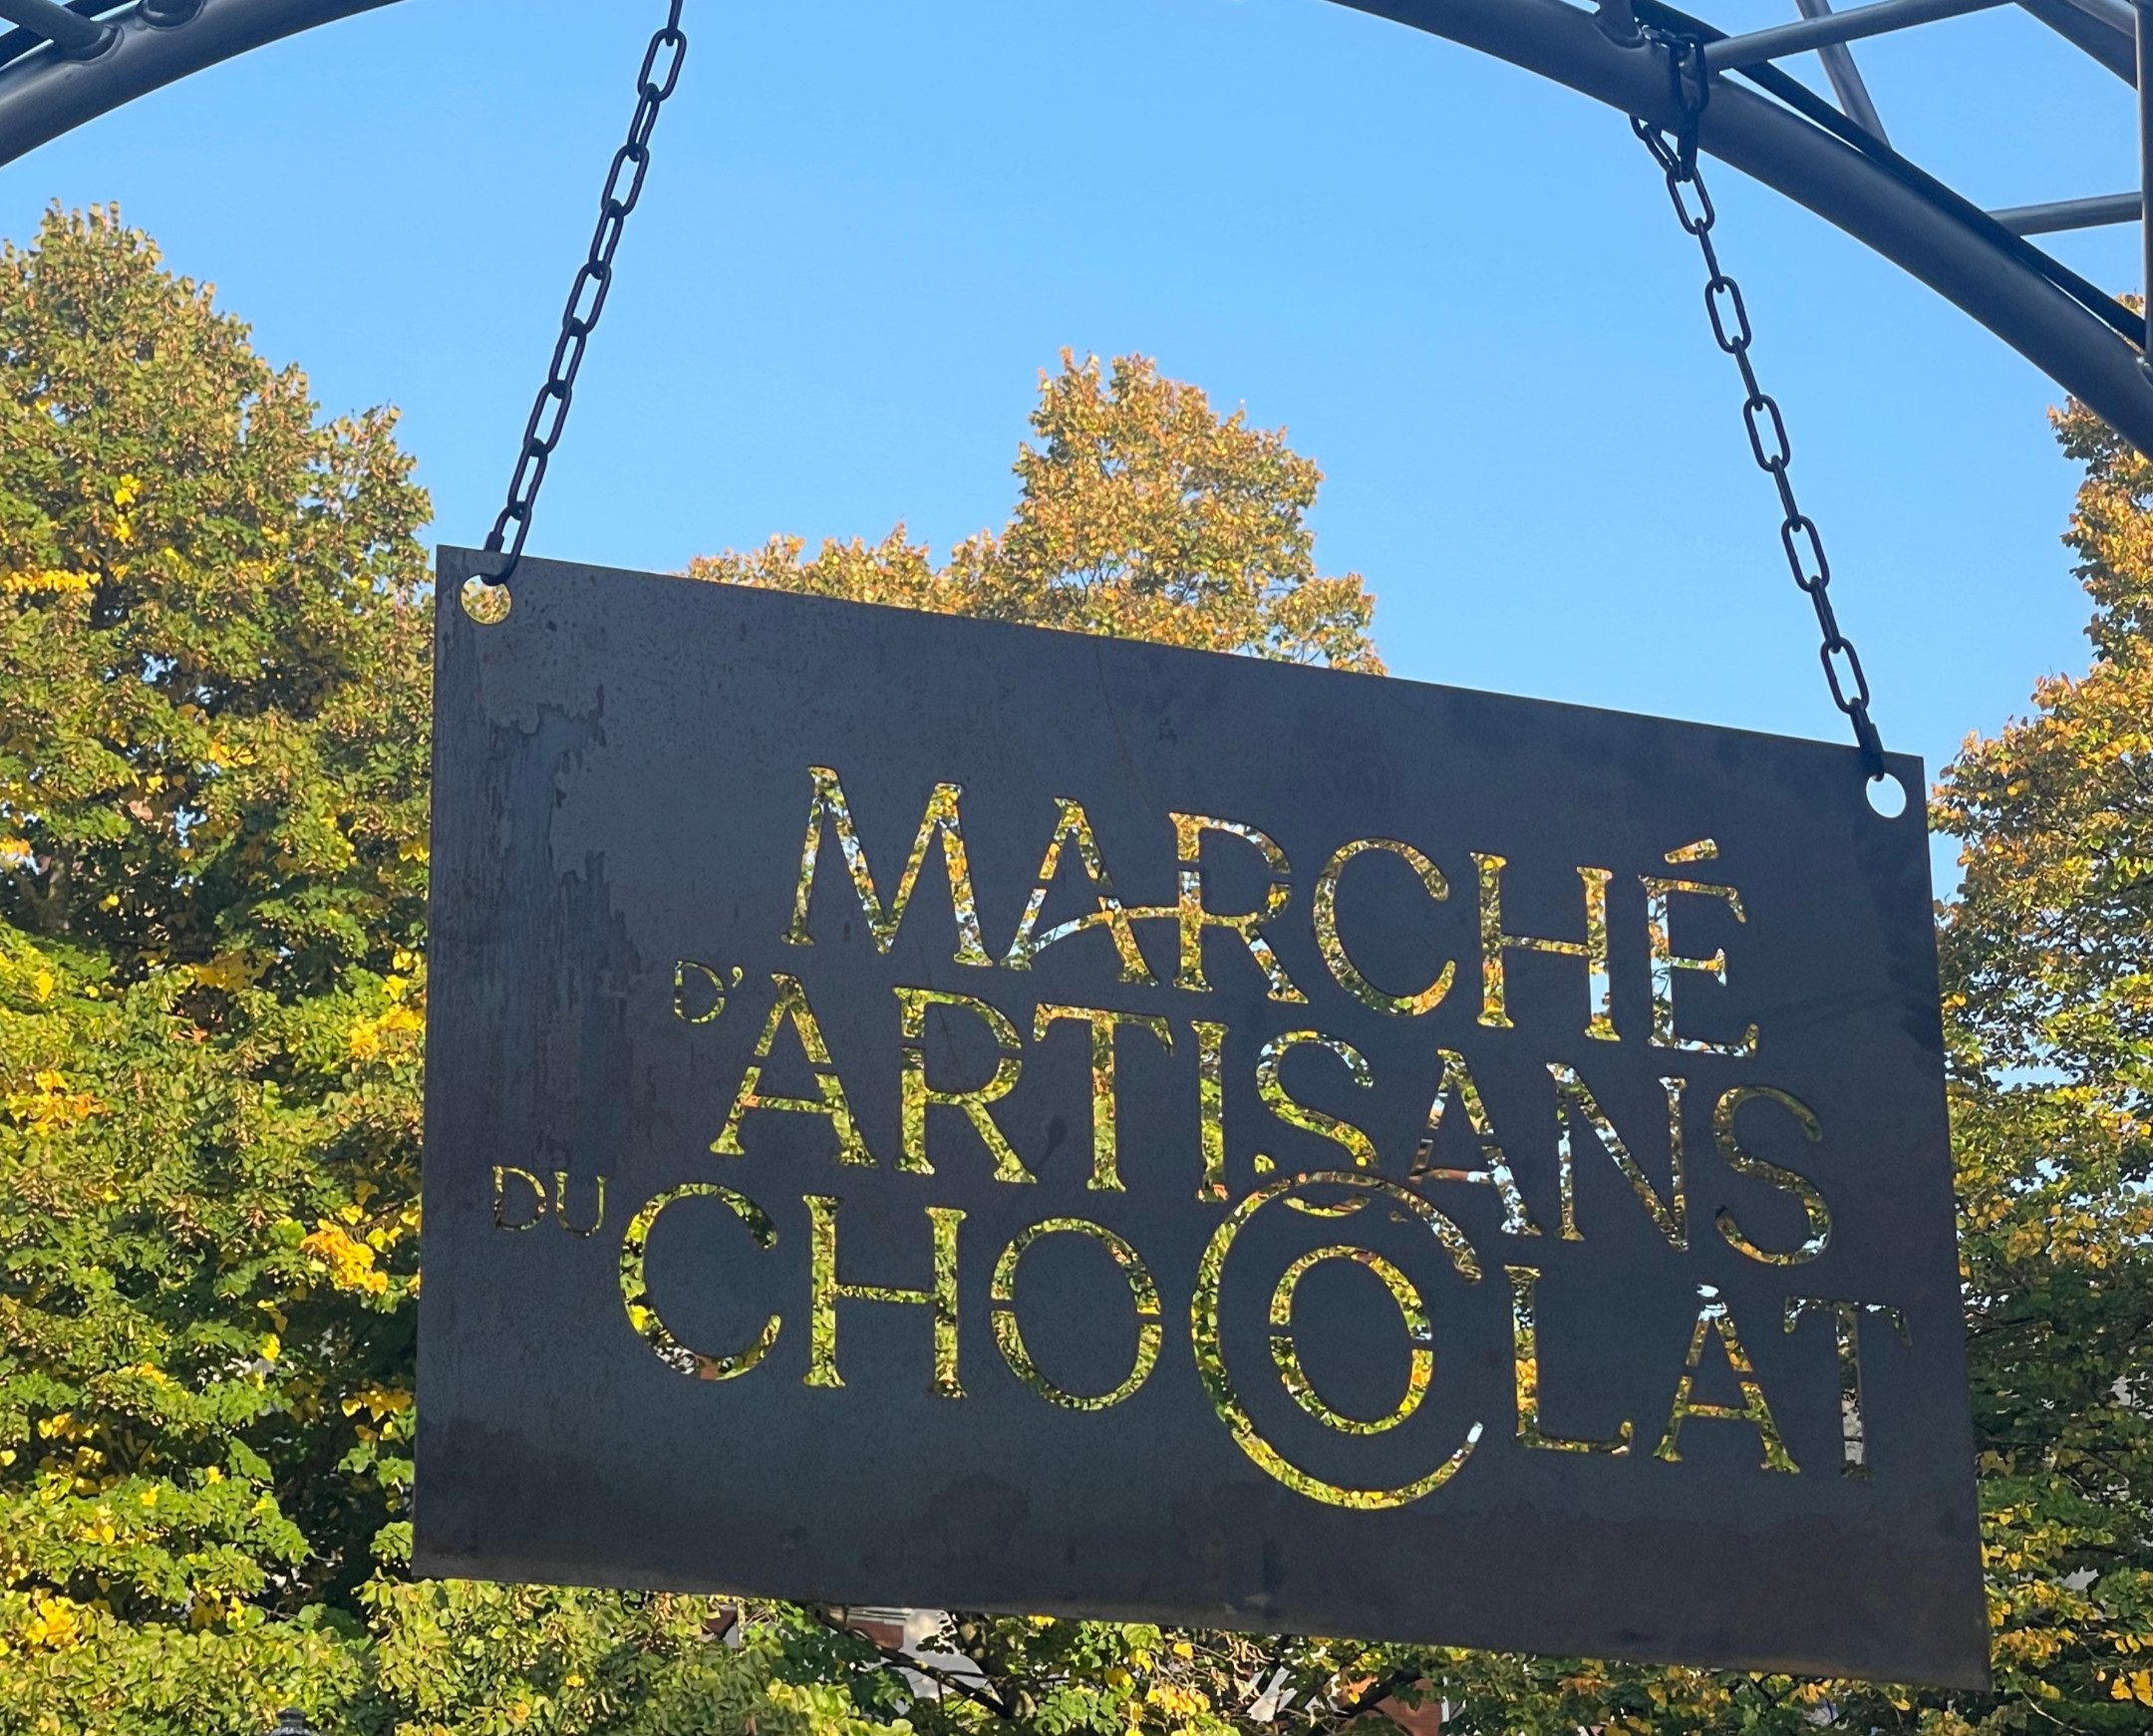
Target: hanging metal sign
{"points": [[922, 1111]]}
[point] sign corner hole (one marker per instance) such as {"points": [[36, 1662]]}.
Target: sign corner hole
{"points": [[489, 604], [1887, 791]]}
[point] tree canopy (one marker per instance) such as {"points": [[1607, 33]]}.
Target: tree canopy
{"points": [[2048, 980], [214, 724], [1140, 512], [214, 727], [212, 842]]}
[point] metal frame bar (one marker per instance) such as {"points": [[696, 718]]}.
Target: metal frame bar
{"points": [[2100, 28], [1831, 29], [1789, 139], [2145, 158], [1847, 188], [2059, 214], [1846, 80], [44, 94]]}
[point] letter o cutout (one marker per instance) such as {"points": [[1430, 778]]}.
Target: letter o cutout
{"points": [[1143, 1290], [1420, 1373], [1211, 1361]]}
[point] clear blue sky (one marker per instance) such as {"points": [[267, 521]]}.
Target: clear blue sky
{"points": [[1459, 289]]}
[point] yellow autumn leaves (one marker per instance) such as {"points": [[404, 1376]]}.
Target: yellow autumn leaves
{"points": [[370, 1036], [70, 582], [51, 1622], [46, 582], [397, 1028], [50, 1103], [347, 1261], [1143, 514]]}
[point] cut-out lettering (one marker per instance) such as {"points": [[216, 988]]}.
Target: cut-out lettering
{"points": [[1742, 1162], [1575, 1103], [506, 1216], [1272, 1089], [634, 1287], [916, 1097], [1495, 941], [825, 1291], [1205, 1339], [1196, 917], [1105, 1142], [1211, 1108], [1073, 829], [561, 1214], [1846, 1331], [941, 821], [791, 1007], [1421, 1366], [702, 988], [1143, 1292], [1341, 968], [1525, 1361], [1457, 1082], [1716, 1319], [1660, 895]]}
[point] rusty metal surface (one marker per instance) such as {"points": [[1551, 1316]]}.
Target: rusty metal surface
{"points": [[623, 782]]}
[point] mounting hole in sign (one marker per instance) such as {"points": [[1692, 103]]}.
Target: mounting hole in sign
{"points": [[489, 604], [1887, 796]]}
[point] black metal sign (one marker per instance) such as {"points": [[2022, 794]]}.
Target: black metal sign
{"points": [[922, 1111]]}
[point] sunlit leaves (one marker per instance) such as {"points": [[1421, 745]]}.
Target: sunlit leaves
{"points": [[1142, 513], [212, 740], [212, 856]]}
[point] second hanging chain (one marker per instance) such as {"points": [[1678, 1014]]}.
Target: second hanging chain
{"points": [[1676, 156]]}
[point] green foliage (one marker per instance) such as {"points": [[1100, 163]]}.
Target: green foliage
{"points": [[212, 778], [1140, 513], [2048, 954], [211, 875], [2048, 960], [209, 734], [213, 854]]}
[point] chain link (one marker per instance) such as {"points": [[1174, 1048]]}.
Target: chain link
{"points": [[1676, 154], [660, 73]]}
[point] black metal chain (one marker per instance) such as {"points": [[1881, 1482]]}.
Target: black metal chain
{"points": [[1675, 155], [662, 63]]}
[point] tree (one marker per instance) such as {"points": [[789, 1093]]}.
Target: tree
{"points": [[2048, 953], [213, 854], [211, 873], [2047, 964], [1142, 513], [214, 619]]}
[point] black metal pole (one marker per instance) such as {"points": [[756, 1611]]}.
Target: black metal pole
{"points": [[69, 32]]}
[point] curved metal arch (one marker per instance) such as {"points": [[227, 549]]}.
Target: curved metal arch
{"points": [[1778, 132], [1955, 249], [45, 91]]}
